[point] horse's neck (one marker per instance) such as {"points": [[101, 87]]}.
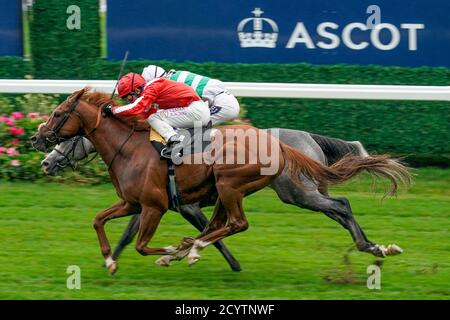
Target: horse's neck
{"points": [[108, 137]]}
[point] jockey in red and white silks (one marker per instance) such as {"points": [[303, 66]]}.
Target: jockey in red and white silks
{"points": [[222, 104], [165, 103]]}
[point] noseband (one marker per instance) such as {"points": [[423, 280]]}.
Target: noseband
{"points": [[66, 155], [69, 156], [53, 136]]}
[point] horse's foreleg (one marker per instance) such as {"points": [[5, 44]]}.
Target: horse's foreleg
{"points": [[120, 209]]}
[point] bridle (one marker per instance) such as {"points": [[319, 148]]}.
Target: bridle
{"points": [[54, 138], [71, 153]]}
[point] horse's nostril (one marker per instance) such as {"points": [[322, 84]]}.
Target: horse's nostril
{"points": [[45, 164], [33, 139]]}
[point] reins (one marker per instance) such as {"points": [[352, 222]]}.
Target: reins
{"points": [[121, 147], [86, 154], [66, 156]]}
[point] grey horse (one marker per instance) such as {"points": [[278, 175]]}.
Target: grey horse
{"points": [[314, 197]]}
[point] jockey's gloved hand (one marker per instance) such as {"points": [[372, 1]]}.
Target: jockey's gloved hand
{"points": [[107, 110]]}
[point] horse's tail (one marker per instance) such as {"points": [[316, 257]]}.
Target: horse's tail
{"points": [[335, 149], [345, 169]]}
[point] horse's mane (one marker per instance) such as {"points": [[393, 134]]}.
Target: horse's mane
{"points": [[99, 99]]}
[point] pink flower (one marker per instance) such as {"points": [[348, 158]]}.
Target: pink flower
{"points": [[33, 115], [15, 163], [12, 152], [8, 121], [15, 142], [3, 150], [17, 115], [45, 117], [17, 131]]}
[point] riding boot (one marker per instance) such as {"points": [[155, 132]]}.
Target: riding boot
{"points": [[174, 149]]}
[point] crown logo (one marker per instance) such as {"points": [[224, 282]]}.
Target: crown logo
{"points": [[258, 38]]}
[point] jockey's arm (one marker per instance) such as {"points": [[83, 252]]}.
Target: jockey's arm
{"points": [[141, 107]]}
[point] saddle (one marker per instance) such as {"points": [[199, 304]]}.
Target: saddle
{"points": [[196, 140]]}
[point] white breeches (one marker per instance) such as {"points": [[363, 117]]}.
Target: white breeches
{"points": [[224, 107], [164, 121]]}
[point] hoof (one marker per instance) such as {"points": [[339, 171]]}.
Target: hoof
{"points": [[193, 258], [382, 251], [378, 251], [164, 261], [393, 250], [112, 267], [236, 267], [170, 250]]}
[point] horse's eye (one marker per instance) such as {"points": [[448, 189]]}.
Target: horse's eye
{"points": [[57, 115]]}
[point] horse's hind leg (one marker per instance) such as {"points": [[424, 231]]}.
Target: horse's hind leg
{"points": [[150, 219], [229, 204], [218, 220], [231, 189], [362, 243], [337, 209], [195, 216]]}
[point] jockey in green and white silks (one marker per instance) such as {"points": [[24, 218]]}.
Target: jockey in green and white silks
{"points": [[222, 104]]}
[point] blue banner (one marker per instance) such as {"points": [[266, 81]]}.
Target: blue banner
{"points": [[383, 32], [10, 28]]}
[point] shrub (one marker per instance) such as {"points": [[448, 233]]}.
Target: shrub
{"points": [[20, 161]]}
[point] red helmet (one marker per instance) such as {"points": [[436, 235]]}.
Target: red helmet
{"points": [[129, 82]]}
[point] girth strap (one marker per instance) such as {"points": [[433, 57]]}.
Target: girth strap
{"points": [[174, 197], [172, 188]]}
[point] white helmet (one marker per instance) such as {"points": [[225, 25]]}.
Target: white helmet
{"points": [[152, 72]]}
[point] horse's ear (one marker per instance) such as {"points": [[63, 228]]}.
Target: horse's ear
{"points": [[78, 94]]}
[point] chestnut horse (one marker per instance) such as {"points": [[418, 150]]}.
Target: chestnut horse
{"points": [[140, 176]]}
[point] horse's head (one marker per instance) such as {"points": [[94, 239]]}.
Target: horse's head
{"points": [[67, 153], [63, 124]]}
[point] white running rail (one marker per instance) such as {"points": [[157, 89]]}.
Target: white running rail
{"points": [[254, 89]]}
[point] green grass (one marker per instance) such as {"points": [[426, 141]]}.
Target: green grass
{"points": [[287, 253]]}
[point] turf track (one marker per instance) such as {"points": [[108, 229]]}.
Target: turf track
{"points": [[287, 253]]}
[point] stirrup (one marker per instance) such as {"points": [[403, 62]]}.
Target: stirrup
{"points": [[170, 152]]}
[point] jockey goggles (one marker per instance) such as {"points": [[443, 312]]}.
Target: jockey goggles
{"points": [[132, 95]]}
